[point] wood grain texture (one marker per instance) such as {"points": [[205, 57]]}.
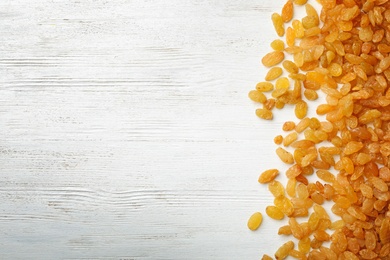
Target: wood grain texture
{"points": [[126, 132]]}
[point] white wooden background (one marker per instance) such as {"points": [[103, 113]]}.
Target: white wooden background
{"points": [[126, 131]]}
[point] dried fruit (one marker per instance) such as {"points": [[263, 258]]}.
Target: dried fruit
{"points": [[254, 221], [272, 58], [284, 250], [287, 11], [274, 73], [257, 96], [284, 155], [301, 109], [274, 212], [276, 188], [340, 54], [277, 21], [266, 257], [277, 45], [268, 175], [264, 113]]}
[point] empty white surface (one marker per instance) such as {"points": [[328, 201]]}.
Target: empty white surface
{"points": [[126, 131]]}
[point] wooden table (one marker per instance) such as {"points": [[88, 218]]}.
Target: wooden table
{"points": [[126, 131]]}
